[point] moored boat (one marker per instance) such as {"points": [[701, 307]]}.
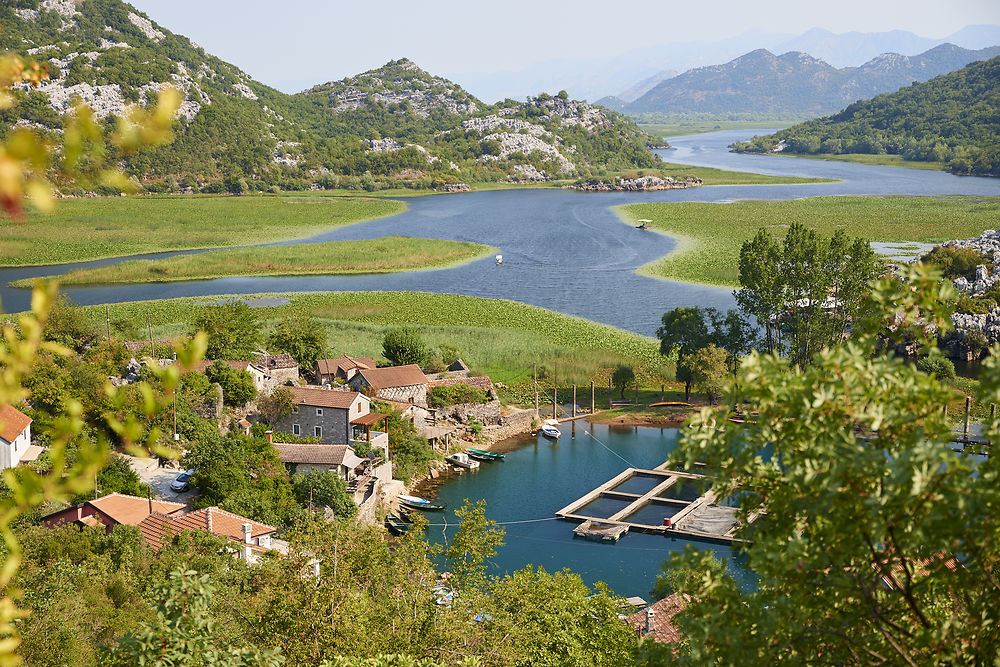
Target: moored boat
{"points": [[550, 429], [484, 455], [462, 460], [413, 502], [396, 525]]}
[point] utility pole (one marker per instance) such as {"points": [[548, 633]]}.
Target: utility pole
{"points": [[592, 396], [107, 314], [534, 376], [149, 327]]}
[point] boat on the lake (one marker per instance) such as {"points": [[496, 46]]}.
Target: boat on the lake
{"points": [[483, 455], [396, 525], [414, 502], [550, 429], [643, 224], [462, 460]]}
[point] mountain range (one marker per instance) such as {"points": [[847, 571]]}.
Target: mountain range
{"points": [[596, 77], [760, 82], [392, 126], [951, 119]]}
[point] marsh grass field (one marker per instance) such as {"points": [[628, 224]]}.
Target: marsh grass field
{"points": [[680, 127], [498, 337], [709, 236], [384, 255], [100, 227], [867, 158]]}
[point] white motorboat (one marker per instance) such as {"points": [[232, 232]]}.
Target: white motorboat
{"points": [[550, 429], [462, 460]]}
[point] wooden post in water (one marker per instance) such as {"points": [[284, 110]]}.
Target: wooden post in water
{"points": [[637, 393], [592, 397], [555, 399], [968, 408], [661, 393], [611, 396], [574, 403], [534, 376]]}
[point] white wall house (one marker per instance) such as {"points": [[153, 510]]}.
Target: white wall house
{"points": [[15, 435]]}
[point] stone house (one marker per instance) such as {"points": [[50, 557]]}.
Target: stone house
{"points": [[343, 368], [279, 368], [324, 413], [15, 436], [403, 384]]}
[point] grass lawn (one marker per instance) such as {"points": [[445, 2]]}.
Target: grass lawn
{"points": [[94, 228], [497, 337], [384, 255], [710, 235], [866, 158]]}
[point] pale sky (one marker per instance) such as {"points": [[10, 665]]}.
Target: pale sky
{"points": [[290, 41]]}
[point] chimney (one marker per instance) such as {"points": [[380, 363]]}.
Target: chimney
{"points": [[650, 622], [247, 531], [270, 436], [149, 497]]}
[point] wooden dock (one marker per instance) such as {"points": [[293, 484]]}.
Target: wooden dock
{"points": [[700, 517]]}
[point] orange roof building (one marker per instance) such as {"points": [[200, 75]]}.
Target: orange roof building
{"points": [[405, 384], [15, 436], [112, 510], [342, 368], [656, 621]]}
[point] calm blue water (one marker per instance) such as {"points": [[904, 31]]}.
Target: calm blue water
{"points": [[562, 250], [540, 477]]}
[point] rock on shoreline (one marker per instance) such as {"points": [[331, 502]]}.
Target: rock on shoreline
{"points": [[641, 184]]}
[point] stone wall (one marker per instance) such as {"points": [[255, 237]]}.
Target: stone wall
{"points": [[515, 423], [333, 421], [487, 414]]}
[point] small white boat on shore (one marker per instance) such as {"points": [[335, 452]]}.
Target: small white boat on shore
{"points": [[462, 460], [550, 429]]}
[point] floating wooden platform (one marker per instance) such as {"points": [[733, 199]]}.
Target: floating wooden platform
{"points": [[698, 517]]}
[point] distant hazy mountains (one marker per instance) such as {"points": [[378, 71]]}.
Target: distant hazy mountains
{"points": [[792, 83], [594, 78]]}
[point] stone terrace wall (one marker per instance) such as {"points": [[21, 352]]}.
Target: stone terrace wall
{"points": [[514, 423], [487, 414]]}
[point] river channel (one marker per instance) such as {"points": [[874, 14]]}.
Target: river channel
{"points": [[539, 477], [563, 250]]}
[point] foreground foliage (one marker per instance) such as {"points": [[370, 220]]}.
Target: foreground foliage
{"points": [[879, 544]]}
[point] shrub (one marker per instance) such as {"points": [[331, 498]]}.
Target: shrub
{"points": [[938, 365], [456, 394], [955, 262]]}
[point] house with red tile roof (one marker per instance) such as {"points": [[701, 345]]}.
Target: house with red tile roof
{"points": [[112, 510], [250, 538], [405, 384], [328, 414], [342, 368], [15, 436], [656, 621]]}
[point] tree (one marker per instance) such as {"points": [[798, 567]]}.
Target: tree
{"points": [[118, 477], [232, 328], [67, 324], [866, 556], [276, 406], [707, 370], [623, 377], [237, 386], [183, 633], [404, 346], [674, 576], [684, 330], [301, 337], [475, 542], [324, 488]]}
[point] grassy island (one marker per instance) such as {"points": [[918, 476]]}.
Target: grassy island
{"points": [[384, 255], [709, 236], [95, 228]]}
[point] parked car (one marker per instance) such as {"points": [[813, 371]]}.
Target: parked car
{"points": [[180, 484]]}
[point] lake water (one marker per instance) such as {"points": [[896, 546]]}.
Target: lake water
{"points": [[563, 250], [539, 477]]}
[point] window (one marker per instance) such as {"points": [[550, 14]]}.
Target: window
{"points": [[295, 409], [319, 412], [296, 430], [318, 431]]}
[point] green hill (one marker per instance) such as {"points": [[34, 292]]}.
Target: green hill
{"points": [[953, 118], [394, 126]]}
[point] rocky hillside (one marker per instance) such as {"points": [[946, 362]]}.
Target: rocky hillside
{"points": [[390, 126], [795, 83], [950, 119]]}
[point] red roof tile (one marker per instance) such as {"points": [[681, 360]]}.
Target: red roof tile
{"points": [[664, 610], [12, 422], [324, 398], [158, 528], [332, 455], [393, 376], [130, 510], [272, 361], [343, 363]]}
